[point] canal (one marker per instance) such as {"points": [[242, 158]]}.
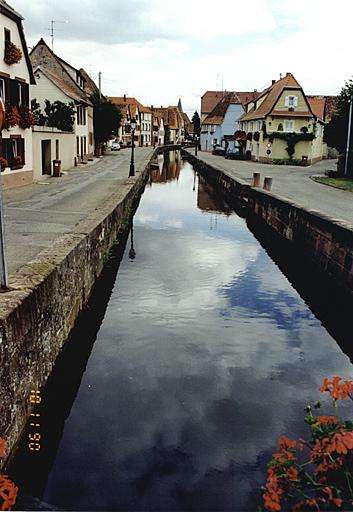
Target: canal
{"points": [[195, 355]]}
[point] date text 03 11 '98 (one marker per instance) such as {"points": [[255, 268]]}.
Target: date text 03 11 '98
{"points": [[34, 437]]}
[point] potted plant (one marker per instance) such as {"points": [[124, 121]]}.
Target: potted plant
{"points": [[12, 116], [27, 118], [13, 54], [17, 162], [3, 163]]}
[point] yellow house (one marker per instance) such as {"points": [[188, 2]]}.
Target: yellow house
{"points": [[283, 123]]}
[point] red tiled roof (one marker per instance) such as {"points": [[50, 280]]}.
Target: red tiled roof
{"points": [[246, 97], [317, 105], [209, 100], [219, 111], [324, 107], [272, 95], [60, 83]]}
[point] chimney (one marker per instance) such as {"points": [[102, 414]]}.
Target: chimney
{"points": [[288, 73], [124, 98], [273, 82]]}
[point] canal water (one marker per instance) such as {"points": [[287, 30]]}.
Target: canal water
{"points": [[201, 358]]}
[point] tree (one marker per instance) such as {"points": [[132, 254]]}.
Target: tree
{"points": [[336, 130], [106, 118], [197, 124], [60, 115]]}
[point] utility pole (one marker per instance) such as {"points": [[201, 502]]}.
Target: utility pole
{"points": [[100, 85], [4, 282], [348, 136], [52, 30]]}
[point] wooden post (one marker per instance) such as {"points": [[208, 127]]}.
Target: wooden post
{"points": [[268, 182], [256, 179]]}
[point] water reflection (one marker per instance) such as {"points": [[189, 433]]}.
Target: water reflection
{"points": [[167, 169], [206, 355]]}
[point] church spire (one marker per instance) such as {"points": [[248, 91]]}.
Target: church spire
{"points": [[180, 105]]}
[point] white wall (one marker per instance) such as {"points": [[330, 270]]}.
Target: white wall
{"points": [[20, 69], [46, 90], [67, 145]]}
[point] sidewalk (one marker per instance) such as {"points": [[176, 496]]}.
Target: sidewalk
{"points": [[292, 182], [38, 214]]}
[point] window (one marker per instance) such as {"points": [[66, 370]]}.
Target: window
{"points": [[289, 126], [2, 89], [291, 101], [7, 35]]}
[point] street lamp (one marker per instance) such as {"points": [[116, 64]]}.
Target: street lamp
{"points": [[132, 164], [348, 136], [132, 252]]}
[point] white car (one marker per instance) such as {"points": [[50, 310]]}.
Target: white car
{"points": [[115, 146]]}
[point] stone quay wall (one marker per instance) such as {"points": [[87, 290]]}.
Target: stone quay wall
{"points": [[46, 296], [327, 241]]}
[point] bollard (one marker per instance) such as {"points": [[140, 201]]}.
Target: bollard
{"points": [[268, 182], [256, 179]]}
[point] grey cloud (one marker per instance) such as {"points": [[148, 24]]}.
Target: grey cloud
{"points": [[111, 22]]}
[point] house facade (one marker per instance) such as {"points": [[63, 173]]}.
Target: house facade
{"points": [[146, 126], [58, 81], [132, 109], [282, 117], [219, 126], [16, 76], [158, 131]]}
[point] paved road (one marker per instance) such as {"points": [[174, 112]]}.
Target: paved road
{"points": [[292, 182], [37, 214]]}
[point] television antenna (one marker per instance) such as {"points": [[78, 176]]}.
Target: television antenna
{"points": [[52, 30]]}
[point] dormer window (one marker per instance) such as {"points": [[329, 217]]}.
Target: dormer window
{"points": [[291, 102]]}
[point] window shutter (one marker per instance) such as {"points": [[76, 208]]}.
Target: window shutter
{"points": [[14, 92], [25, 94]]}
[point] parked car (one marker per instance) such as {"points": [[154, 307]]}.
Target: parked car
{"points": [[234, 154], [115, 146], [218, 150]]}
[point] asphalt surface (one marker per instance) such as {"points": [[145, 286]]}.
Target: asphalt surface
{"points": [[292, 182], [36, 215]]}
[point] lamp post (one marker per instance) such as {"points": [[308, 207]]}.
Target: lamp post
{"points": [[196, 145], [348, 136], [132, 252], [132, 163]]}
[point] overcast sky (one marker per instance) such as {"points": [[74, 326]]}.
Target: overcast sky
{"points": [[158, 50]]}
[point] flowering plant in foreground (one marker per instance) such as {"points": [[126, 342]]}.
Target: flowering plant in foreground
{"points": [[315, 474], [8, 490]]}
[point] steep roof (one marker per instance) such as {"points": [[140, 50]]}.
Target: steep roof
{"points": [[209, 100], [121, 100], [43, 57], [246, 97], [317, 105], [60, 83], [219, 111], [271, 96], [10, 12], [90, 86]]}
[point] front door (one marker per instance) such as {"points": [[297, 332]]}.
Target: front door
{"points": [[46, 157], [257, 151]]}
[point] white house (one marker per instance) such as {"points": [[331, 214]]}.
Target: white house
{"points": [[219, 126], [146, 126], [56, 81], [16, 75]]}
